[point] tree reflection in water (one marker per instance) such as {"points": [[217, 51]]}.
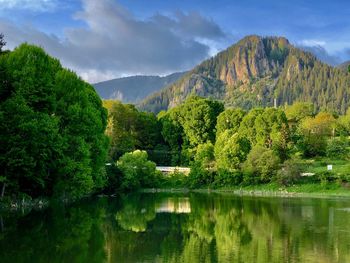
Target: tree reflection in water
{"points": [[181, 228]]}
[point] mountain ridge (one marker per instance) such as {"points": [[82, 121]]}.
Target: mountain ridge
{"points": [[132, 89], [255, 71]]}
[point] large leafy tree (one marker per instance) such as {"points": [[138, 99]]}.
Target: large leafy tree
{"points": [[52, 127], [198, 119], [229, 119], [173, 133], [315, 131], [137, 170], [231, 149], [130, 129]]}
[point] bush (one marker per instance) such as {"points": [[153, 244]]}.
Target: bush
{"points": [[114, 179], [137, 171], [261, 165], [202, 169], [226, 178], [337, 148], [199, 177], [174, 180], [313, 145], [290, 172]]}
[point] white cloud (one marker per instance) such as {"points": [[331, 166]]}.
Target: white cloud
{"points": [[115, 42], [312, 42], [34, 5]]}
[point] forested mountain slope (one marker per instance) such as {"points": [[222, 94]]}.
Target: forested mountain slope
{"points": [[135, 88], [345, 66], [255, 71]]}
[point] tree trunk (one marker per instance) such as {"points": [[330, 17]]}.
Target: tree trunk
{"points": [[3, 189]]}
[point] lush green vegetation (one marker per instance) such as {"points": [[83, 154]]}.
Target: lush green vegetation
{"points": [[52, 134], [255, 71], [54, 137], [233, 147], [178, 227]]}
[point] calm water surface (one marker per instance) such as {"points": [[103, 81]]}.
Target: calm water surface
{"points": [[181, 228]]}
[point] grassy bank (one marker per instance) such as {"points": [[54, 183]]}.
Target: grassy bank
{"points": [[272, 189]]}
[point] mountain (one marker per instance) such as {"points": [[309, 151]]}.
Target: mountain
{"points": [[254, 72], [135, 88], [344, 66]]}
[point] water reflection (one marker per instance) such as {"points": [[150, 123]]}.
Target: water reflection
{"points": [[181, 228]]}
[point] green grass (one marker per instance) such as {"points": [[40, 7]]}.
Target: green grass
{"points": [[273, 189], [319, 165]]}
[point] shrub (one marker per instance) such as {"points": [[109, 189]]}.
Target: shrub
{"points": [[137, 171], [199, 177], [261, 165], [290, 172], [337, 148], [202, 169], [226, 178]]}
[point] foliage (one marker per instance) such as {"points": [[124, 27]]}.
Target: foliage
{"points": [[231, 149], [315, 132], [173, 133], [247, 128], [203, 167], [290, 172], [344, 123], [130, 129], [337, 148], [285, 73], [137, 171], [261, 165], [230, 119], [52, 127], [198, 119], [299, 111]]}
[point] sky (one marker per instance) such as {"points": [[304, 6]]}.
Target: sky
{"points": [[105, 39]]}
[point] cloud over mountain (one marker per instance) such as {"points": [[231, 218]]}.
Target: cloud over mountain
{"points": [[113, 42]]}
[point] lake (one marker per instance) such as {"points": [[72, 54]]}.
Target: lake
{"points": [[193, 227]]}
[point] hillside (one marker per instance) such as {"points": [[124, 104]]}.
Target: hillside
{"points": [[135, 88], [344, 66], [255, 71]]}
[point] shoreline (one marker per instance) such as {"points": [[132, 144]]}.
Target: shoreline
{"points": [[260, 191]]}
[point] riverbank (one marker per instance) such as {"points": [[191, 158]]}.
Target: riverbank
{"points": [[24, 204], [272, 189]]}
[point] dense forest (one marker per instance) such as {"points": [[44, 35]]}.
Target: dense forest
{"points": [[254, 72], [228, 146], [58, 139], [52, 134]]}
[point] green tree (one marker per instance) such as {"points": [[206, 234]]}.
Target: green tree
{"points": [[315, 132], [198, 119], [130, 129], [261, 165], [173, 133], [203, 167], [247, 128], [231, 149], [230, 119], [52, 127], [337, 148], [299, 111], [137, 170]]}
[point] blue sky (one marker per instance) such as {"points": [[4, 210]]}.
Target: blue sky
{"points": [[102, 39]]}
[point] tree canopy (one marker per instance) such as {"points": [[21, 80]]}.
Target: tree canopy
{"points": [[52, 127]]}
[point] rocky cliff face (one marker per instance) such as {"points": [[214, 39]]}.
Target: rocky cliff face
{"points": [[250, 73]]}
